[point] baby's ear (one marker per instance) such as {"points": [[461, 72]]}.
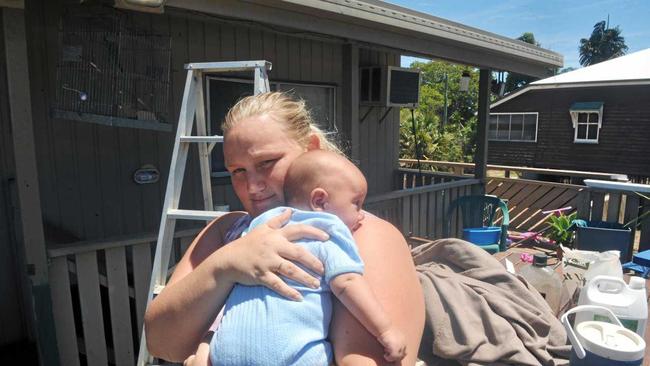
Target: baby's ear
{"points": [[318, 199], [314, 143]]}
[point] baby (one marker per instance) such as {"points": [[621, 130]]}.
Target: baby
{"points": [[259, 327]]}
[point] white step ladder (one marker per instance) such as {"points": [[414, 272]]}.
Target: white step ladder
{"points": [[192, 109]]}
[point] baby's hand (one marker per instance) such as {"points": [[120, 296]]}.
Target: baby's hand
{"points": [[394, 344]]}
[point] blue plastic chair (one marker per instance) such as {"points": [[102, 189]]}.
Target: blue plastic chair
{"points": [[480, 211]]}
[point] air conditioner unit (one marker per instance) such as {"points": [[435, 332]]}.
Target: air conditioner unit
{"points": [[389, 86], [403, 87]]}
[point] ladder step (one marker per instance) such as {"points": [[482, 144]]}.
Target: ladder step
{"points": [[194, 214], [158, 289], [228, 66], [201, 138]]}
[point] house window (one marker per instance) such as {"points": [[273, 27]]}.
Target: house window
{"points": [[320, 101], [223, 93], [513, 126], [586, 118]]}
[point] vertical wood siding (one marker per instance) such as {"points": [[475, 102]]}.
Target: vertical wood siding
{"points": [[622, 142], [378, 141], [85, 170], [11, 313]]}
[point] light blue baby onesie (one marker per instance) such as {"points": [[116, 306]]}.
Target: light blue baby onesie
{"points": [[259, 327]]}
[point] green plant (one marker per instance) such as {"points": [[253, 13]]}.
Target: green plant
{"points": [[559, 228]]}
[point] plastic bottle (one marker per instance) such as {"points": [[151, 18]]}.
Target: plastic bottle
{"points": [[627, 302], [545, 280]]}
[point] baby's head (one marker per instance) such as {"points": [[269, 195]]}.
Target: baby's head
{"points": [[320, 180]]}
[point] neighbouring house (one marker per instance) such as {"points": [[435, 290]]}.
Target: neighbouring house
{"points": [[89, 97], [595, 118]]}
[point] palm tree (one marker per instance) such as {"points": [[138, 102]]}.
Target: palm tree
{"points": [[604, 44]]}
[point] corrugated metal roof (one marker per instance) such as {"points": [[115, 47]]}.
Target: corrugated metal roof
{"points": [[631, 69], [634, 66]]}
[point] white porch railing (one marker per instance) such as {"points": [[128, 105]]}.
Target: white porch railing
{"points": [[99, 293], [422, 211]]}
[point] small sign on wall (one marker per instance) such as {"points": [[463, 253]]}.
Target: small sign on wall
{"points": [[148, 174]]}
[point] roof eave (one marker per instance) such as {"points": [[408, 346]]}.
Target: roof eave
{"points": [[386, 14], [590, 84], [374, 23]]}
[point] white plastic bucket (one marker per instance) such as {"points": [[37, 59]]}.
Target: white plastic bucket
{"points": [[627, 302], [600, 343]]}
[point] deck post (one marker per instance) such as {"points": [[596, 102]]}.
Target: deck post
{"points": [[350, 98], [480, 158], [30, 216]]}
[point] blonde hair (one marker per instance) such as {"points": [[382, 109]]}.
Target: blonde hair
{"points": [[292, 114]]}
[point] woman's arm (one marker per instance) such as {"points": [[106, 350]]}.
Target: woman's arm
{"points": [[353, 291], [168, 313], [391, 274], [177, 319]]}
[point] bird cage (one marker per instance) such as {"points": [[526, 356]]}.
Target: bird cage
{"points": [[110, 71]]}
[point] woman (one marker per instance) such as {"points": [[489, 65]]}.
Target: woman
{"points": [[262, 136]]}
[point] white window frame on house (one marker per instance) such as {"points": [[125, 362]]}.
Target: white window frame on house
{"points": [[575, 120], [510, 137]]}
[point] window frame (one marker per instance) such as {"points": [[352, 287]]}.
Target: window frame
{"points": [[510, 126], [575, 113], [278, 86]]}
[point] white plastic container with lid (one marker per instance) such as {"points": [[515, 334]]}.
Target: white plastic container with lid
{"points": [[545, 280], [627, 302], [597, 343]]}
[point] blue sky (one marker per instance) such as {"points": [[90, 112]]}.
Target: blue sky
{"points": [[557, 25]]}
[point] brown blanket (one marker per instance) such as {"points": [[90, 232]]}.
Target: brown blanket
{"points": [[479, 314]]}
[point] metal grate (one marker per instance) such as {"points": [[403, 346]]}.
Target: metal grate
{"points": [[108, 67]]}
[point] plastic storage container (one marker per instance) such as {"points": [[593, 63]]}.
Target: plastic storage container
{"points": [[627, 302], [482, 235], [601, 236], [545, 280], [597, 343]]}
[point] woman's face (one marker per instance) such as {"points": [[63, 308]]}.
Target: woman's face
{"points": [[257, 154]]}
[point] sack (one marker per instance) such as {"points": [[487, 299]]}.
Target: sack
{"points": [[595, 263]]}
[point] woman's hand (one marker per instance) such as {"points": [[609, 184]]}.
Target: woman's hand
{"points": [[267, 252]]}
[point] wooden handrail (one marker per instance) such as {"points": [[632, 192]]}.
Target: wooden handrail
{"points": [[573, 173], [423, 189], [59, 250], [539, 183], [433, 173]]}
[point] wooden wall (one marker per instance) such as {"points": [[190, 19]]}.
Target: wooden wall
{"points": [[12, 325], [85, 170], [379, 141], [623, 141]]}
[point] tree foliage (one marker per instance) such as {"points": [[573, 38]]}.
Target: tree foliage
{"points": [[515, 81], [456, 140], [604, 44], [566, 69]]}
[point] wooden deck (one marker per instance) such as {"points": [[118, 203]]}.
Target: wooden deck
{"points": [[528, 199], [99, 288]]}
